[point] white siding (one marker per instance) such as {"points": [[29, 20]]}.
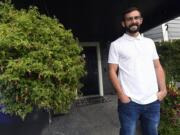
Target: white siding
{"points": [[155, 33], [174, 28], [173, 31]]}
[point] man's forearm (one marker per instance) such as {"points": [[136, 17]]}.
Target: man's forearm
{"points": [[115, 82], [161, 78]]}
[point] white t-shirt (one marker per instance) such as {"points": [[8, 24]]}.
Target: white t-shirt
{"points": [[137, 76]]}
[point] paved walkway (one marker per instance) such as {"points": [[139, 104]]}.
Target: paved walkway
{"points": [[94, 119]]}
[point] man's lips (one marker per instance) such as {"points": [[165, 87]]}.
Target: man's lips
{"points": [[134, 27]]}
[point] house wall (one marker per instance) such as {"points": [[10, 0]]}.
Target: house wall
{"points": [[173, 31], [155, 34], [174, 28], [107, 86]]}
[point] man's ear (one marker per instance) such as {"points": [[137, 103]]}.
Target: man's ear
{"points": [[141, 20], [122, 23]]}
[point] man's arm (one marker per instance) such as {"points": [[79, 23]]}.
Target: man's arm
{"points": [[160, 79], [116, 83]]}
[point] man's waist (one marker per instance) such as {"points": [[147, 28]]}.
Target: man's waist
{"points": [[144, 99]]}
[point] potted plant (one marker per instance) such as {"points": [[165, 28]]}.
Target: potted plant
{"points": [[40, 62]]}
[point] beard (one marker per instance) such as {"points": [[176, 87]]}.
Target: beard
{"points": [[133, 28]]}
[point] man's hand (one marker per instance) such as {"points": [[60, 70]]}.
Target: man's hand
{"points": [[160, 79], [161, 95], [123, 98]]}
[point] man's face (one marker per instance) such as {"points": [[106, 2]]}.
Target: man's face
{"points": [[132, 22]]}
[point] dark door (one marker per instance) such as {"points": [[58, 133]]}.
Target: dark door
{"points": [[90, 81]]}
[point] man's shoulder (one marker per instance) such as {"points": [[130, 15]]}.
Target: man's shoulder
{"points": [[118, 41], [148, 39]]}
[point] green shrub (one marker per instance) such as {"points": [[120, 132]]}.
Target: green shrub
{"points": [[170, 111], [40, 62], [169, 53]]}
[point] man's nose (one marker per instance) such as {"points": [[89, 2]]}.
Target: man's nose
{"points": [[133, 20]]}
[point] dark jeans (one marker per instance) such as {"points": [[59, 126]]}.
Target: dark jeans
{"points": [[130, 113]]}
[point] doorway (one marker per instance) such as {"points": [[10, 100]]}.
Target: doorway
{"points": [[92, 82]]}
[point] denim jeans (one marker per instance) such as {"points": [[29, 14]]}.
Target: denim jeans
{"points": [[130, 113]]}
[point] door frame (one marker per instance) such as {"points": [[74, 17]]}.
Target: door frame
{"points": [[98, 52]]}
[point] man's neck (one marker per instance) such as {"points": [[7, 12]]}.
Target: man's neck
{"points": [[133, 34]]}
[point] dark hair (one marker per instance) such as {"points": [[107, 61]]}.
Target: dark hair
{"points": [[128, 11]]}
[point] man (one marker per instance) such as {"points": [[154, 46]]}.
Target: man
{"points": [[140, 81]]}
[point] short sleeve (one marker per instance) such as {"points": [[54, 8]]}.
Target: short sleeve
{"points": [[155, 54], [113, 55]]}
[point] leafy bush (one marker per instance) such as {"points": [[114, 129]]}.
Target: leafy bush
{"points": [[170, 58], [40, 62], [169, 53], [170, 111]]}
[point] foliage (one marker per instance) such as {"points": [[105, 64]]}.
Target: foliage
{"points": [[40, 62], [170, 108], [170, 111], [170, 58]]}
